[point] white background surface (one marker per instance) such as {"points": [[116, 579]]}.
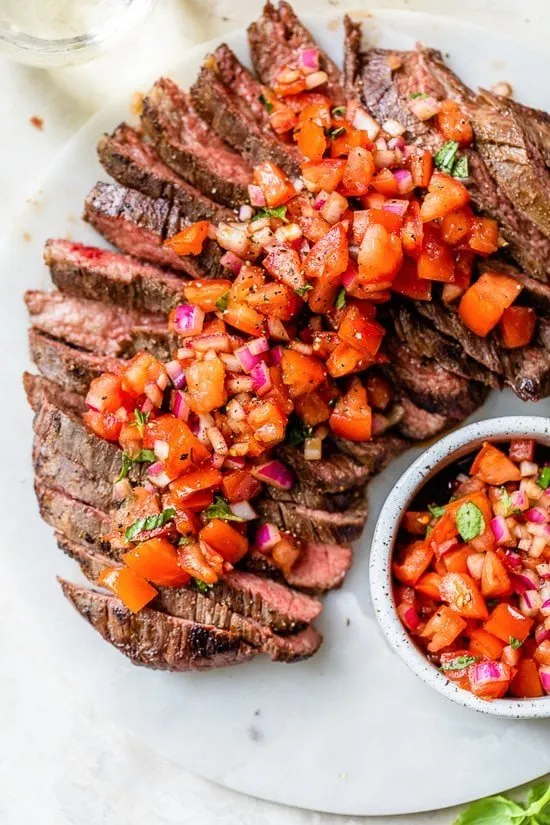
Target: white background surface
{"points": [[59, 763]]}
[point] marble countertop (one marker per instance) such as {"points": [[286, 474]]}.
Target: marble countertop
{"points": [[61, 764]]}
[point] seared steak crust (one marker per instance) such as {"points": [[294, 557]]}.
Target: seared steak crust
{"points": [[77, 521], [70, 368]]}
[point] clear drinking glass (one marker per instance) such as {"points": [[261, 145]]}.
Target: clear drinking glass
{"points": [[61, 32]]}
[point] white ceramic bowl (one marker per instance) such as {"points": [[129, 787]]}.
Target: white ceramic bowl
{"points": [[435, 458]]}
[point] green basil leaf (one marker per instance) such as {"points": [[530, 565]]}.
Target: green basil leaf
{"points": [[334, 133], [340, 301], [538, 802], [202, 587], [297, 432], [460, 168], [496, 810], [418, 95], [303, 290], [220, 509], [222, 302], [436, 510], [459, 663], [140, 420], [470, 521], [515, 643], [445, 158], [127, 462], [267, 103], [339, 111], [149, 523], [544, 478], [275, 212]]}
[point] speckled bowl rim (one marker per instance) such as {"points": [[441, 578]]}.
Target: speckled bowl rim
{"points": [[434, 459]]}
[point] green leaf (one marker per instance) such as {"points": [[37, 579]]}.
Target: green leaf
{"points": [[340, 301], [202, 587], [506, 501], [184, 541], [515, 643], [436, 510], [222, 302], [470, 521], [339, 111], [459, 663], [127, 462], [544, 478], [220, 509], [538, 802], [275, 212], [267, 103], [303, 290], [149, 523], [297, 432], [140, 420], [334, 133], [496, 810], [418, 95], [460, 168], [446, 157]]}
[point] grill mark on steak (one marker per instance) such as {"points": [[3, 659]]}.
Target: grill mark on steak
{"points": [[62, 472], [139, 225], [77, 521], [100, 275], [374, 455], [225, 95], [186, 144], [135, 164], [72, 369], [320, 567], [188, 604], [275, 40], [38, 389], [332, 474], [317, 526], [97, 327], [155, 639]]}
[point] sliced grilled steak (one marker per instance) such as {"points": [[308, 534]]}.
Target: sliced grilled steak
{"points": [[418, 424], [537, 292], [374, 455], [70, 368], [39, 389], [186, 143], [139, 225], [226, 96], [101, 275], [77, 521], [320, 567], [59, 471], [334, 473], [134, 163], [317, 526], [97, 327], [155, 639], [275, 41], [432, 387], [193, 606]]}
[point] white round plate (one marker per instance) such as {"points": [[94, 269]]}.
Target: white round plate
{"points": [[351, 731]]}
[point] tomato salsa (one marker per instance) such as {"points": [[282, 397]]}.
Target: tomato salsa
{"points": [[471, 571]]}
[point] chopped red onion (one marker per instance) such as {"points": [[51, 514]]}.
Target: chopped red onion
{"points": [[384, 158], [243, 510], [316, 79], [205, 421], [397, 143], [445, 546], [176, 373], [543, 570], [544, 673], [474, 563], [157, 475], [147, 406], [250, 354], [410, 617], [256, 195], [530, 603], [483, 673], [363, 121], [217, 341], [308, 60], [240, 383], [261, 378], [276, 355], [218, 442], [500, 530], [513, 559], [245, 212], [313, 449], [320, 200], [277, 329], [234, 462], [393, 128], [121, 489], [541, 634], [528, 468], [381, 144], [161, 449], [188, 319], [424, 107], [274, 473], [154, 394], [537, 515], [217, 461], [396, 205], [404, 180], [232, 261], [519, 500], [524, 581], [267, 537], [179, 405]]}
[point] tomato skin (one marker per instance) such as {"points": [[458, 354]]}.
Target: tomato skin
{"points": [[301, 373], [436, 262], [495, 581], [106, 394], [526, 682], [204, 294], [193, 559], [240, 486], [485, 645], [274, 183], [421, 167], [412, 232], [205, 385], [517, 326], [284, 265], [275, 301], [157, 561], [225, 540], [350, 139], [453, 124], [133, 590], [380, 256], [483, 304], [413, 563], [194, 482], [428, 584], [141, 370], [312, 409], [493, 689], [105, 425], [360, 332], [324, 174], [445, 195], [184, 448], [268, 423], [463, 595], [190, 240], [385, 183], [506, 622], [352, 415], [310, 135], [329, 257], [358, 172], [456, 226], [484, 236], [443, 628], [492, 466]]}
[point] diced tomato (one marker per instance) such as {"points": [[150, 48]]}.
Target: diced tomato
{"points": [[360, 332], [105, 425], [522, 449], [225, 540], [358, 172], [445, 195], [484, 236], [407, 283], [205, 294], [428, 584], [294, 87], [130, 588], [412, 563], [349, 139], [526, 683], [323, 295], [455, 561], [130, 439], [268, 422], [421, 167], [493, 466], [383, 217], [379, 391], [491, 688], [485, 645], [412, 232], [542, 652], [274, 183], [463, 595], [317, 110], [408, 615], [244, 318], [240, 486], [141, 370], [483, 304], [517, 326], [312, 409], [352, 416], [323, 174], [193, 559], [301, 373], [249, 279], [195, 502], [344, 360], [505, 622], [456, 226], [453, 123], [205, 385], [313, 227], [184, 448], [449, 663], [464, 265], [495, 580], [194, 482], [310, 136], [380, 256], [279, 390], [157, 561], [284, 264], [186, 521], [443, 628], [281, 117], [275, 301], [436, 262], [298, 102], [329, 257], [385, 183], [106, 395], [190, 240]]}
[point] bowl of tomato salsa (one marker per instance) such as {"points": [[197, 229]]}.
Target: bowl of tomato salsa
{"points": [[460, 567]]}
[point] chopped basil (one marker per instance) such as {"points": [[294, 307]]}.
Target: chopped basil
{"points": [[267, 103], [143, 457], [460, 169], [149, 523], [459, 663], [302, 290], [515, 643], [222, 302], [544, 478], [436, 510], [446, 157], [340, 301], [184, 540], [334, 133], [470, 521], [275, 212], [202, 587], [297, 432], [418, 95], [506, 501], [220, 509], [140, 420], [339, 111]]}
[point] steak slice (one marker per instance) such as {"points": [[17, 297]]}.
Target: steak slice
{"points": [[374, 455], [135, 164], [226, 96], [38, 389], [316, 526], [189, 604], [101, 275], [155, 639], [187, 144], [419, 424], [139, 225], [320, 567], [97, 327], [57, 470], [275, 41], [72, 369], [77, 521], [333, 473]]}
